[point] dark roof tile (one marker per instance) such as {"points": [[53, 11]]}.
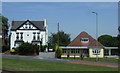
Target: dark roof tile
{"points": [[17, 24]]}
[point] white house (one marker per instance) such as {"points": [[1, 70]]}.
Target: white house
{"points": [[28, 31]]}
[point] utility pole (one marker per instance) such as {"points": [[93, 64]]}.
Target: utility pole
{"points": [[58, 33], [96, 34]]}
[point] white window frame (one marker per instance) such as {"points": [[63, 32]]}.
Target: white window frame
{"points": [[83, 40], [64, 51], [96, 51]]}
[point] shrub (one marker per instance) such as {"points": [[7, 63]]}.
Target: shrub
{"points": [[12, 50], [5, 48], [58, 51], [15, 49], [27, 49], [43, 47]]}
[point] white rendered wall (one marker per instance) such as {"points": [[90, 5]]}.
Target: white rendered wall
{"points": [[28, 34], [46, 33], [12, 39], [101, 55], [27, 38]]}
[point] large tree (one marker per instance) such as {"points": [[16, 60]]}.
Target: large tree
{"points": [[61, 38], [108, 40], [119, 44], [5, 27]]}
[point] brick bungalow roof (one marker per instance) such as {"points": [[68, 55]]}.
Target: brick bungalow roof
{"points": [[77, 41]]}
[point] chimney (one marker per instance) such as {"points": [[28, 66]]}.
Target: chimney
{"points": [[45, 22], [13, 23]]}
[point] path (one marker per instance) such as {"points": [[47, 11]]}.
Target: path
{"points": [[47, 54], [95, 64]]}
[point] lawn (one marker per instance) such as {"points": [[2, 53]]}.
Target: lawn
{"points": [[25, 65], [108, 60]]}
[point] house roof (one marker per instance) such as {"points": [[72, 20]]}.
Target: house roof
{"points": [[77, 41], [38, 24]]}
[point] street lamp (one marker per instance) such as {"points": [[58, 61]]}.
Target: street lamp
{"points": [[96, 34]]}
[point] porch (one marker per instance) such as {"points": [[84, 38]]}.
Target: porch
{"points": [[111, 52], [75, 52]]}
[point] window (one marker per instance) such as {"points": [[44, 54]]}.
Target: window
{"points": [[17, 37], [27, 34], [72, 51], [77, 51], [26, 26], [84, 40], [21, 36], [64, 51], [29, 26], [96, 51], [38, 37], [34, 36]]}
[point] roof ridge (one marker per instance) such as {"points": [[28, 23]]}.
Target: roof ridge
{"points": [[15, 21], [77, 42], [37, 24]]}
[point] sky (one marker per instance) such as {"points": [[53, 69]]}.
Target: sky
{"points": [[59, 0], [73, 17]]}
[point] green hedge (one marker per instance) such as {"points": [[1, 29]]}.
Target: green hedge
{"points": [[27, 49], [5, 48]]}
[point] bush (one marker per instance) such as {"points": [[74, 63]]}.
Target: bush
{"points": [[43, 47], [12, 50], [15, 49], [5, 48], [27, 49], [58, 51]]}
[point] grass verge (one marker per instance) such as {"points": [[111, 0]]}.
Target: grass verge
{"points": [[107, 60], [30, 65]]}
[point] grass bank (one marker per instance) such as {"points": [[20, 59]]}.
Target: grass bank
{"points": [[30, 65]]}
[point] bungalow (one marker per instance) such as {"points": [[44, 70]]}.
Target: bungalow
{"points": [[85, 45]]}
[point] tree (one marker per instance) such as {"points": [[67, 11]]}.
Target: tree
{"points": [[115, 41], [108, 41], [5, 27], [118, 44], [64, 38], [58, 51]]}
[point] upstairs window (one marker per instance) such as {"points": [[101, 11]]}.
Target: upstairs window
{"points": [[38, 36], [17, 37], [21, 35], [26, 26], [29, 26], [34, 36], [84, 40]]}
